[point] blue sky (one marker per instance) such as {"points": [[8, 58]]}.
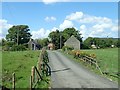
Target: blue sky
{"points": [[95, 19]]}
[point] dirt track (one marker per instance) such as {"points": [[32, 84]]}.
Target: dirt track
{"points": [[68, 74]]}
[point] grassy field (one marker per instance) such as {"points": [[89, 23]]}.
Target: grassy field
{"points": [[107, 60], [19, 62]]}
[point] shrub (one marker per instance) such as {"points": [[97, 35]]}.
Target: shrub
{"points": [[78, 54], [64, 48], [18, 48]]}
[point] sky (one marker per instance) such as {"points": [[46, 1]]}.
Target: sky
{"points": [[92, 19]]}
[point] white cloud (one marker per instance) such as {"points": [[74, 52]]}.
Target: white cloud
{"points": [[95, 26], [49, 1], [83, 30], [42, 33], [75, 16], [54, 1], [54, 29], [94, 19], [84, 18], [115, 28], [66, 24], [4, 26], [50, 19]]}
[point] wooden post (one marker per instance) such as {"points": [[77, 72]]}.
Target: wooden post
{"points": [[38, 68], [13, 81], [33, 74], [90, 62], [30, 82]]}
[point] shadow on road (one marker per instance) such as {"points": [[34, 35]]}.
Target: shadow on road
{"points": [[61, 70]]}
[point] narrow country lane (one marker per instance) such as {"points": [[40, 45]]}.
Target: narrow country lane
{"points": [[68, 74]]}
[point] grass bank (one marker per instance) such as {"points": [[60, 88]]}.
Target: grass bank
{"points": [[19, 62]]}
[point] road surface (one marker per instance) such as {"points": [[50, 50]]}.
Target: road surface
{"points": [[69, 74]]}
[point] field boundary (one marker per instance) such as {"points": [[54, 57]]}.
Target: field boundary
{"points": [[42, 69], [38, 72]]}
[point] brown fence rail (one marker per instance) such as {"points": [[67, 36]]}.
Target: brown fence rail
{"points": [[42, 69], [91, 61]]}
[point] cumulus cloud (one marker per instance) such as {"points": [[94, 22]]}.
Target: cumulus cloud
{"points": [[84, 18], [54, 29], [66, 24], [50, 19], [95, 26], [4, 26], [88, 25], [42, 33], [83, 30], [115, 28], [75, 16]]}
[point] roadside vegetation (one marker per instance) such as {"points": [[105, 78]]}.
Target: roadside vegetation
{"points": [[107, 60]]}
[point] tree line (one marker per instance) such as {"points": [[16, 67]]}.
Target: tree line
{"points": [[101, 42], [18, 36]]}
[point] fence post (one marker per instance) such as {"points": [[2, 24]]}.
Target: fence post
{"points": [[33, 74], [38, 67], [30, 82], [13, 81], [90, 62]]}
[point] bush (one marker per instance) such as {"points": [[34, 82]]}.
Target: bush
{"points": [[78, 54], [64, 48], [18, 48]]}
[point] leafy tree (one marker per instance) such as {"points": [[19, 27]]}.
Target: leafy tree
{"points": [[19, 34], [61, 36], [88, 42], [101, 42], [68, 32], [55, 38], [3, 42], [117, 43], [43, 42]]}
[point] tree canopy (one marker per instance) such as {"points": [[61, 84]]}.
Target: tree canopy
{"points": [[100, 42], [43, 42], [19, 34], [59, 37]]}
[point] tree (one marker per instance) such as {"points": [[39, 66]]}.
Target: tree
{"points": [[68, 32], [88, 42], [59, 37], [19, 34], [3, 42], [43, 42], [55, 38]]}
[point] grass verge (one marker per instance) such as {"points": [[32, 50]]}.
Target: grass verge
{"points": [[107, 58], [19, 62]]}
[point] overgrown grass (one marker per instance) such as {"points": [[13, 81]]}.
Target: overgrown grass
{"points": [[19, 62]]}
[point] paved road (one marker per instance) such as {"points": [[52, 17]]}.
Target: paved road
{"points": [[68, 74]]}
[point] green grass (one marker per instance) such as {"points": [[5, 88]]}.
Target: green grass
{"points": [[107, 60], [19, 62], [45, 83]]}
